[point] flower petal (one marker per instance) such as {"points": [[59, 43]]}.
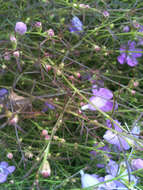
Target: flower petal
{"points": [[11, 169], [131, 61], [112, 168], [3, 178], [104, 93], [122, 58], [3, 164], [88, 180]]}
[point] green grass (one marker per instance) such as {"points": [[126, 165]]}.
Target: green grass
{"points": [[73, 134]]}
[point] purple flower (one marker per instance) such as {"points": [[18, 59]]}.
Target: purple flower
{"points": [[94, 154], [106, 14], [115, 170], [112, 168], [5, 170], [88, 180], [129, 54], [126, 29], [137, 164], [76, 25], [48, 106], [114, 138], [3, 92], [102, 99], [20, 28]]}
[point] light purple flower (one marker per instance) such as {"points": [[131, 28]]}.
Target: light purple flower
{"points": [[129, 54], [88, 180], [76, 25], [106, 14], [20, 28], [112, 168], [102, 99], [3, 92], [115, 170], [126, 29], [115, 139], [137, 164], [5, 170]]}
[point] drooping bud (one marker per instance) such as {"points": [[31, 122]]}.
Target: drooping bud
{"points": [[45, 169]]}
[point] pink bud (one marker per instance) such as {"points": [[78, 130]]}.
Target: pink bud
{"points": [[136, 83], [133, 92], [71, 77], [48, 67], [47, 137], [45, 170], [97, 48], [14, 120], [10, 156], [50, 32], [78, 75], [13, 39], [44, 132], [16, 54]]}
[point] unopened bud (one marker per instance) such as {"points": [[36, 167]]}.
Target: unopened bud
{"points": [[14, 120], [45, 169], [16, 53], [136, 83], [10, 156], [44, 132]]}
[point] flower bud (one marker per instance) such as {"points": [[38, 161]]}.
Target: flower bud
{"points": [[44, 132], [45, 169], [105, 13], [16, 54], [10, 156], [50, 32], [14, 120], [20, 28], [137, 164]]}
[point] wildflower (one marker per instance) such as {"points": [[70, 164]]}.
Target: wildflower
{"points": [[20, 28], [5, 170], [102, 99], [106, 14], [129, 54], [126, 29], [137, 164], [114, 138], [76, 25]]}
